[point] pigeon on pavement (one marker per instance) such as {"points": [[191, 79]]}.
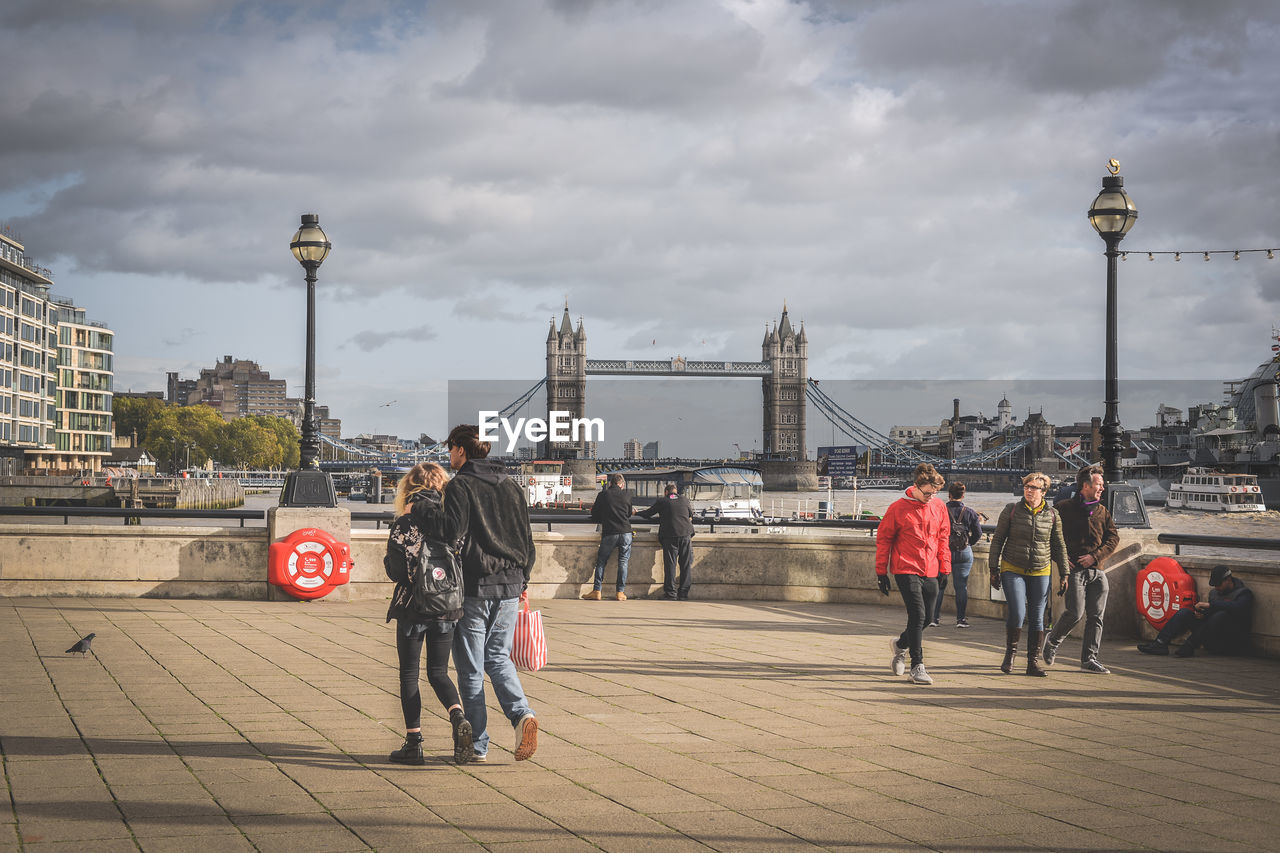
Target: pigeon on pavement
{"points": [[82, 645]]}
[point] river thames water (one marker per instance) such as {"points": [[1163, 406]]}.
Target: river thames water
{"points": [[1262, 525]]}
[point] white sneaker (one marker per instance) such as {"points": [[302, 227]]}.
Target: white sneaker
{"points": [[919, 676], [899, 664]]}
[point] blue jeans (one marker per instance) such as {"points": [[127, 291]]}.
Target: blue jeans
{"points": [[608, 542], [1025, 597], [482, 643], [961, 565]]}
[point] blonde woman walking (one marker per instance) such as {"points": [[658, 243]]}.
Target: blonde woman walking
{"points": [[1028, 538]]}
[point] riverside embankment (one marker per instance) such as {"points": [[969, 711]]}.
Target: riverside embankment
{"points": [[748, 564]]}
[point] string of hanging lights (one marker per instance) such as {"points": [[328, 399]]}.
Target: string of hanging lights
{"points": [[1177, 256]]}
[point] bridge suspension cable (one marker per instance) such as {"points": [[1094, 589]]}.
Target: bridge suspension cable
{"points": [[892, 452], [896, 453], [519, 402]]}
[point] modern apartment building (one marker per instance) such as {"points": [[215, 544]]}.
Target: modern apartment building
{"points": [[37, 366], [82, 403]]}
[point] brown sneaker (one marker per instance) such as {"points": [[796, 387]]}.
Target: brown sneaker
{"points": [[527, 731], [594, 595], [622, 596]]}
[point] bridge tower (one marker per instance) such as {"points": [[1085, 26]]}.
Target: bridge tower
{"points": [[566, 383], [786, 352]]}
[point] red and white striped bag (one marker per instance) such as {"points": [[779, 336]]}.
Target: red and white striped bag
{"points": [[529, 646]]}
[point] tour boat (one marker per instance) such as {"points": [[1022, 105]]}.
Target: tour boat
{"points": [[544, 482], [1214, 491]]}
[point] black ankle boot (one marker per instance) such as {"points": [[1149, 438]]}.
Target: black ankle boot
{"points": [[462, 750], [411, 752]]}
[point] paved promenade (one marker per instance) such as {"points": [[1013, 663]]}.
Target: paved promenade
{"points": [[229, 725]]}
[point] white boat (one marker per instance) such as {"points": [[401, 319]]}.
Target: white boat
{"points": [[544, 483], [1214, 491]]}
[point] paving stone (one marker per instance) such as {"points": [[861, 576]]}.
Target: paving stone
{"points": [[741, 726]]}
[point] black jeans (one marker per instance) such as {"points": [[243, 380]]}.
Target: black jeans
{"points": [[919, 595], [439, 641], [677, 551]]}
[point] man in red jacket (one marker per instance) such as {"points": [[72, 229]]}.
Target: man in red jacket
{"points": [[911, 542]]}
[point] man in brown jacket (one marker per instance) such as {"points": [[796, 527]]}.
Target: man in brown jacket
{"points": [[1091, 538]]}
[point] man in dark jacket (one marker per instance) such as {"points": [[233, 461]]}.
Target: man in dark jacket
{"points": [[1091, 538], [487, 511], [675, 532], [612, 511], [1221, 624]]}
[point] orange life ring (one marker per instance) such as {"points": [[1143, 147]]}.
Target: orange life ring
{"points": [[84, 482]]}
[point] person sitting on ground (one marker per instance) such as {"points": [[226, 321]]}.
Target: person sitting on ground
{"points": [[1221, 624]]}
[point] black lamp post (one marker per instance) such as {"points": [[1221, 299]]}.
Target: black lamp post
{"points": [[309, 486], [1112, 215]]}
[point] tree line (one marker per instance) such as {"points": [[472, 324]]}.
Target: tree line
{"points": [[169, 432]]}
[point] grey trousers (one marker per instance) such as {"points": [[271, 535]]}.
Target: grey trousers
{"points": [[1086, 596]]}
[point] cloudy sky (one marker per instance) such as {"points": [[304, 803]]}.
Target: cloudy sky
{"points": [[911, 177]]}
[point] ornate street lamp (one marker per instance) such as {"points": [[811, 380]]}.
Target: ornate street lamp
{"points": [[1112, 215], [309, 486]]}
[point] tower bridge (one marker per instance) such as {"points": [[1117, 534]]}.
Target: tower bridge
{"points": [[782, 371], [786, 391]]}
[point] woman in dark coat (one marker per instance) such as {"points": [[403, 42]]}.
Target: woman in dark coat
{"points": [[409, 551]]}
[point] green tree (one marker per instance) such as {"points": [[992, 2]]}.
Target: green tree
{"points": [[135, 413], [162, 436], [248, 444], [202, 427], [286, 435]]}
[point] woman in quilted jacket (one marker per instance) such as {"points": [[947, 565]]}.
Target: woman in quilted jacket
{"points": [[1028, 538], [408, 552]]}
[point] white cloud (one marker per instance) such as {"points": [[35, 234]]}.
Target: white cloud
{"points": [[911, 177]]}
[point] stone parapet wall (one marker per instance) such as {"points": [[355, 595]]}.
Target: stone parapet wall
{"points": [[179, 562], [208, 562]]}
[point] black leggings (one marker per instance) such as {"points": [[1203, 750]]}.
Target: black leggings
{"points": [[409, 649]]}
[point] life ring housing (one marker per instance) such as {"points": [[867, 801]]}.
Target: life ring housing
{"points": [[308, 563], [1164, 588]]}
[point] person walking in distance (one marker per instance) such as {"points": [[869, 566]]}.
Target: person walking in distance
{"points": [[1027, 540], [911, 543], [485, 510], [1091, 538], [612, 511], [965, 533], [675, 532]]}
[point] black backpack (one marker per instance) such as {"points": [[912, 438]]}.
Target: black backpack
{"points": [[959, 538], [433, 570], [437, 580]]}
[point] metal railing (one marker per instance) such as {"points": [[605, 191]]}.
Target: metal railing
{"points": [[1177, 540], [550, 518], [70, 512]]}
